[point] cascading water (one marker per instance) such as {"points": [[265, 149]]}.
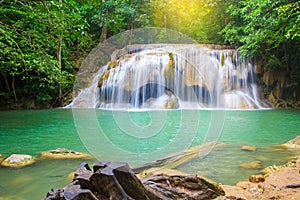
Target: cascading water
{"points": [[173, 76]]}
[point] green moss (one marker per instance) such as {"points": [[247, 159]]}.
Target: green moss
{"points": [[222, 59], [103, 78], [171, 61], [113, 64]]}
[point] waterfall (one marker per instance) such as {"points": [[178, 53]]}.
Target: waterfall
{"points": [[173, 76]]}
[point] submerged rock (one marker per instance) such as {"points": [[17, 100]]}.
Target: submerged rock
{"points": [[18, 160], [1, 158], [248, 148], [252, 165], [62, 153], [294, 143], [115, 180]]}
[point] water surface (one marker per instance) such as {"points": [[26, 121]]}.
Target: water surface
{"points": [[31, 132]]}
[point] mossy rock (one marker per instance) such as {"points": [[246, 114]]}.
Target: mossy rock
{"points": [[222, 59], [171, 63], [103, 78], [113, 64], [18, 160], [62, 153]]}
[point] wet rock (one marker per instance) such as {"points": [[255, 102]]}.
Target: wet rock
{"points": [[117, 181], [62, 153], [248, 148], [256, 178], [252, 165], [18, 160], [171, 102]]}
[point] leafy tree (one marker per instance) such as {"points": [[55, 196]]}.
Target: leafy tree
{"points": [[38, 40], [269, 30]]}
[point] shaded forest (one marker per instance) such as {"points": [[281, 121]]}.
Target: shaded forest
{"points": [[44, 42]]}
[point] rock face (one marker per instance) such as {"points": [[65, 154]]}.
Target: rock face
{"points": [[18, 160], [114, 181], [62, 153]]}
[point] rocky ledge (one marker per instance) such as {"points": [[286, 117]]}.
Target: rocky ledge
{"points": [[116, 180], [62, 153]]}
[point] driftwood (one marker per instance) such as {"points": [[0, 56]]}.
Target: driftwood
{"points": [[179, 158]]}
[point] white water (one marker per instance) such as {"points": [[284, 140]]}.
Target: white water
{"points": [[173, 76]]}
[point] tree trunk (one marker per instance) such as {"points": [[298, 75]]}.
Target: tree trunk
{"points": [[60, 101], [13, 88], [103, 33], [6, 82]]}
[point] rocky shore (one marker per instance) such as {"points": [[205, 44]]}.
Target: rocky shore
{"points": [[157, 180]]}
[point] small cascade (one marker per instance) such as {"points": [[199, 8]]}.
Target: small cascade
{"points": [[173, 76]]}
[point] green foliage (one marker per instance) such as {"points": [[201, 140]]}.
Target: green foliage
{"points": [[30, 35], [267, 29]]}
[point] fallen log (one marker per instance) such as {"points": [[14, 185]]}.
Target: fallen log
{"points": [[179, 158]]}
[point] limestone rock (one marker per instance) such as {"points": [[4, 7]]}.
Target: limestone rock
{"points": [[18, 160], [252, 165], [248, 148], [62, 153]]}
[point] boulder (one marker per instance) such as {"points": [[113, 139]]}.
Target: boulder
{"points": [[252, 165], [248, 148], [62, 153], [116, 180], [18, 160], [106, 181]]}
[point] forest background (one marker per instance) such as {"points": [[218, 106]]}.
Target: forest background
{"points": [[44, 42]]}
